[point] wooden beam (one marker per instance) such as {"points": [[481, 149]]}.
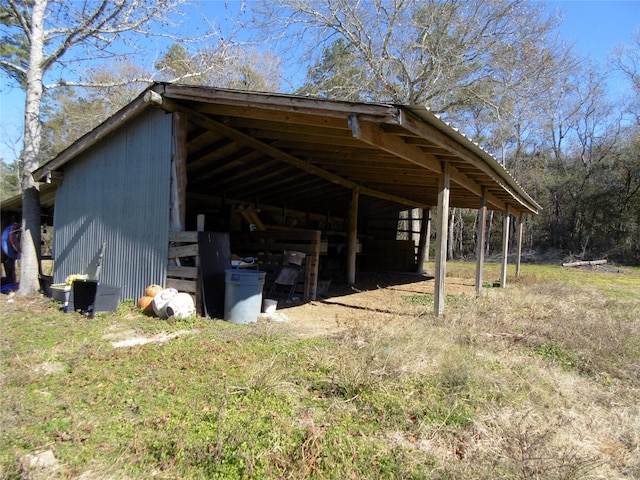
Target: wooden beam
{"points": [[279, 104], [423, 244], [375, 136], [475, 188], [497, 173], [481, 234], [441, 239], [352, 237], [276, 153], [178, 209], [261, 127], [519, 256], [505, 245]]}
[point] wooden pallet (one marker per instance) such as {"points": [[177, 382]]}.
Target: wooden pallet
{"points": [[183, 263], [269, 246]]}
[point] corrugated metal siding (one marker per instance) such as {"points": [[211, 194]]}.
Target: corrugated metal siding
{"points": [[118, 193]]}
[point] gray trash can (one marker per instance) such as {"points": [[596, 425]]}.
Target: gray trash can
{"points": [[243, 295]]}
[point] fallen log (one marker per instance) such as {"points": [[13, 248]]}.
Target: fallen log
{"points": [[583, 263]]}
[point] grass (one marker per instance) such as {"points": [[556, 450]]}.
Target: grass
{"points": [[538, 380]]}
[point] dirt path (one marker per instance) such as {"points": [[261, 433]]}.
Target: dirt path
{"points": [[378, 298]]}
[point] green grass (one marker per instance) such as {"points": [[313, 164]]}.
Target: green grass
{"points": [[504, 385]]}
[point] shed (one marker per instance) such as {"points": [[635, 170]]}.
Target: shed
{"points": [[275, 172]]}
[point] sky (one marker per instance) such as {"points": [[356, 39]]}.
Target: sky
{"points": [[594, 27]]}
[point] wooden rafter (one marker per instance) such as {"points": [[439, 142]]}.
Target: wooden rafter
{"points": [[243, 138]]}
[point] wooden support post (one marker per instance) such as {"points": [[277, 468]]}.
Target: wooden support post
{"points": [[480, 239], [520, 230], [352, 237], [427, 246], [441, 238], [423, 244], [505, 245], [179, 174]]}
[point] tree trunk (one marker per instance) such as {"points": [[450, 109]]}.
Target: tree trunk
{"points": [[488, 233], [460, 233], [30, 238], [450, 243]]}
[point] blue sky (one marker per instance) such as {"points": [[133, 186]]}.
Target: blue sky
{"points": [[597, 26], [593, 27]]}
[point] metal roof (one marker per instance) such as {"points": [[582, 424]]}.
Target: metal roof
{"points": [[308, 154]]}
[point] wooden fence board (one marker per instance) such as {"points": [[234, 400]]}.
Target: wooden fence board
{"points": [[269, 247]]}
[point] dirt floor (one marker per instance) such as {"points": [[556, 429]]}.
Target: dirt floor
{"points": [[375, 298]]}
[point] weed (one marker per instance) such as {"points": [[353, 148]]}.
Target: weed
{"points": [[532, 448], [556, 354], [538, 380], [264, 378]]}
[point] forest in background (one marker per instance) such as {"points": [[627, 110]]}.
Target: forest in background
{"points": [[493, 69]]}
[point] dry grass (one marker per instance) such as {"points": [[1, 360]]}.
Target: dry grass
{"points": [[536, 381]]}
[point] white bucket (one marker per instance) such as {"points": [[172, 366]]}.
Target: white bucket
{"points": [[269, 306]]}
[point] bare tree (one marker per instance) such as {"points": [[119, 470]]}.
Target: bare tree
{"points": [[415, 52], [225, 64], [70, 112], [626, 59], [39, 37]]}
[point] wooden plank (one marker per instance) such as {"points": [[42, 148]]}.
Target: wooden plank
{"points": [[335, 138], [257, 248], [188, 286], [183, 251], [441, 239], [186, 237], [281, 106], [291, 128], [182, 272], [189, 279], [289, 235], [270, 245]]}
